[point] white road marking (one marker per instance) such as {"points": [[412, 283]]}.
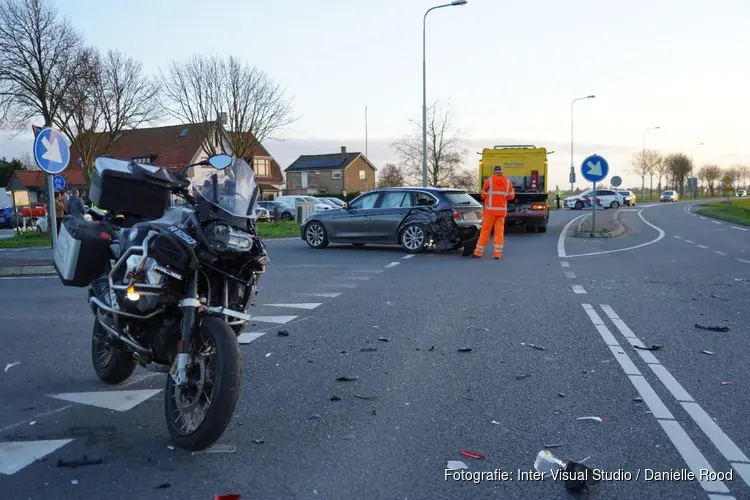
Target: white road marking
{"points": [[742, 260], [392, 264], [578, 289], [408, 256], [561, 242], [680, 439], [326, 295], [111, 400], [375, 271], [678, 237], [702, 246], [738, 228], [358, 278], [570, 275], [279, 320], [341, 285], [689, 241], [719, 252], [247, 337], [703, 218], [141, 378], [711, 429], [716, 222], [565, 264], [35, 417], [303, 305], [563, 233], [17, 455]]}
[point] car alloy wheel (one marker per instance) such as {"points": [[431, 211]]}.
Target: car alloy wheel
{"points": [[315, 235], [579, 205], [413, 238], [614, 204]]}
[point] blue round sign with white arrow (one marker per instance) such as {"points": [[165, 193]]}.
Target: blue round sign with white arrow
{"points": [[58, 182], [594, 168], [51, 152]]}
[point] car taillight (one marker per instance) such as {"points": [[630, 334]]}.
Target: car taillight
{"points": [[537, 207], [457, 215]]}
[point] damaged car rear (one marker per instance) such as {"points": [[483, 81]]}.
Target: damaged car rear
{"points": [[414, 218]]}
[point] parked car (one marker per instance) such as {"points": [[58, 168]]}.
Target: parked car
{"points": [[414, 218], [741, 192], [606, 198], [293, 200], [262, 214], [669, 196], [6, 217], [285, 211], [628, 198], [334, 202]]}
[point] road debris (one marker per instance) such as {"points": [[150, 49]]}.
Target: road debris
{"points": [[521, 377], [228, 496], [367, 398], [726, 383], [384, 339], [259, 441], [465, 349], [346, 378], [11, 365], [552, 446], [431, 348], [638, 400], [79, 463], [217, 448], [534, 346], [468, 398], [335, 398], [268, 355], [708, 352], [595, 419], [74, 481], [471, 454], [456, 465], [654, 347], [576, 478], [164, 486], [719, 329], [368, 349], [561, 394], [495, 422], [283, 333], [315, 416]]}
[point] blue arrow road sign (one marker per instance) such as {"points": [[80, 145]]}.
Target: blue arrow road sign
{"points": [[51, 152], [594, 168], [58, 182]]}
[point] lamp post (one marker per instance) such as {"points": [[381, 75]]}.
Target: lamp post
{"points": [[572, 168], [454, 3], [643, 158]]}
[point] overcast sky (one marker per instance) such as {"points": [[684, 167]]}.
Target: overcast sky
{"points": [[510, 69]]}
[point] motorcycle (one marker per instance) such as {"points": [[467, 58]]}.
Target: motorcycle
{"points": [[170, 288]]}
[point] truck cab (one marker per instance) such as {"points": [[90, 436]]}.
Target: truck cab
{"points": [[526, 167]]}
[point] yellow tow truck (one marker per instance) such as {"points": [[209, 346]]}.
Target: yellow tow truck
{"points": [[526, 167]]}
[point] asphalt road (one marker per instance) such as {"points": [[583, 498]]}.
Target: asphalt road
{"points": [[417, 401]]}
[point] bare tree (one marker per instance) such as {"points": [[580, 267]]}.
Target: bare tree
{"points": [[111, 96], [231, 101], [644, 164], [709, 174], [445, 152], [679, 165], [465, 179], [39, 52], [742, 175], [391, 176], [28, 162], [662, 172]]}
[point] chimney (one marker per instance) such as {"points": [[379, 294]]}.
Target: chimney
{"points": [[343, 150]]}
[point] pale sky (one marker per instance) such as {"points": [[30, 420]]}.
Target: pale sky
{"points": [[510, 69]]}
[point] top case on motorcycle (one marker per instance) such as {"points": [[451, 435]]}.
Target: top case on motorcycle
{"points": [[130, 188], [82, 251]]}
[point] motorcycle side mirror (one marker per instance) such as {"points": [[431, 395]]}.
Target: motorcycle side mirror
{"points": [[220, 161]]}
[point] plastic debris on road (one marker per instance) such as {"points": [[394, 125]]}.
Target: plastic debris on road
{"points": [[534, 346], [456, 465], [595, 419], [465, 349], [719, 329], [11, 365], [653, 347], [283, 333], [79, 463], [495, 422], [708, 352], [228, 496], [217, 448], [576, 476], [346, 378], [471, 454], [726, 383]]}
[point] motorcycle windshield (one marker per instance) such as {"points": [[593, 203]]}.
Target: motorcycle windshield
{"points": [[232, 189]]}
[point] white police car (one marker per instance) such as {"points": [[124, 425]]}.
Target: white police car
{"points": [[605, 198]]}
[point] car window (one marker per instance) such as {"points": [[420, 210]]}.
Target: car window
{"points": [[424, 199], [461, 198], [393, 199], [365, 201]]}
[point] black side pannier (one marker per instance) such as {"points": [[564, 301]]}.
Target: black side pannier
{"points": [[82, 251]]}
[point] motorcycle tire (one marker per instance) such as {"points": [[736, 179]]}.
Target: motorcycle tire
{"points": [[118, 367], [225, 393]]}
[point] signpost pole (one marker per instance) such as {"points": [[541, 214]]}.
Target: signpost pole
{"points": [[52, 154], [593, 211], [51, 209]]}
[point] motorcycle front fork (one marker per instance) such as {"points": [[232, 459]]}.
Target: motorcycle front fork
{"points": [[189, 305]]}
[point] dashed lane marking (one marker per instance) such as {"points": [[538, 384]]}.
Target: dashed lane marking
{"points": [[689, 241], [678, 237], [703, 218], [742, 260], [392, 264], [578, 289], [739, 228], [326, 295], [358, 278], [719, 252], [716, 222], [570, 275], [407, 256], [565, 264], [341, 285], [702, 246], [303, 305], [374, 271]]}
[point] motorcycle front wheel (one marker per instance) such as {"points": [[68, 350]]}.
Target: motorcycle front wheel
{"points": [[199, 413]]}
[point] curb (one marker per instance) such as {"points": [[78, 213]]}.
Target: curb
{"points": [[614, 234], [27, 271]]}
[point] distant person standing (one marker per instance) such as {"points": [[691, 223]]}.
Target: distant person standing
{"points": [[75, 204], [557, 195]]}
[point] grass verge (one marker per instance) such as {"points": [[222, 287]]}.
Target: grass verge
{"points": [[24, 240], [281, 229], [736, 211]]}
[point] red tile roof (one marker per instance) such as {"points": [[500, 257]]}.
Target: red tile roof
{"points": [[37, 179]]}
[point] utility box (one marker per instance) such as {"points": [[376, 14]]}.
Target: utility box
{"points": [[304, 210]]}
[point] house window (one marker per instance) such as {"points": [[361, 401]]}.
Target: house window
{"points": [[262, 166], [336, 174], [362, 175]]}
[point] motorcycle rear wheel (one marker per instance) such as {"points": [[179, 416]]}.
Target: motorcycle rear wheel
{"points": [[213, 388]]}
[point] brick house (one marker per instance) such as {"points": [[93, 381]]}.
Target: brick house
{"points": [[331, 174], [175, 146], [34, 182]]}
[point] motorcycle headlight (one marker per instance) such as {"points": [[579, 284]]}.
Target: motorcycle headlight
{"points": [[222, 237]]}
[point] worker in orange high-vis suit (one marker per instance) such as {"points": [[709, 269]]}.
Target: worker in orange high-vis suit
{"points": [[496, 193]]}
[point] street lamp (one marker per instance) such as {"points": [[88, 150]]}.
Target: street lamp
{"points": [[572, 168], [643, 158], [454, 3]]}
